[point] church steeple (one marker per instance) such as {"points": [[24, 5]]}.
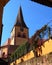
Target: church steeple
{"points": [[20, 20], [19, 32]]}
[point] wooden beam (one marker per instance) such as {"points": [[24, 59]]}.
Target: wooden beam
{"points": [[44, 2], [3, 2]]}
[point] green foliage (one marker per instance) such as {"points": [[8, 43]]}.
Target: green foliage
{"points": [[26, 47], [20, 51]]}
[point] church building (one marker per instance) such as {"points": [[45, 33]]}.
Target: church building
{"points": [[19, 35]]}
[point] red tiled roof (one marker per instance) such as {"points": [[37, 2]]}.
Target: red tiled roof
{"points": [[7, 42]]}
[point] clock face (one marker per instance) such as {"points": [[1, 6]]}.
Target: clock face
{"points": [[21, 29]]}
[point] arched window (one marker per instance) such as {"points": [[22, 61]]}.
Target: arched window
{"points": [[3, 55], [24, 35], [19, 35]]}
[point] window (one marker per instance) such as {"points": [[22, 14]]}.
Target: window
{"points": [[3, 55], [19, 35], [21, 29], [24, 36]]}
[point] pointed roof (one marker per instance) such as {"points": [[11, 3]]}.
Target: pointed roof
{"points": [[20, 20]]}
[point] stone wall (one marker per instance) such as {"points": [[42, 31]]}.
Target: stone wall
{"points": [[44, 60]]}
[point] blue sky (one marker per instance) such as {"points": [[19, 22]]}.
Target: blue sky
{"points": [[35, 16]]}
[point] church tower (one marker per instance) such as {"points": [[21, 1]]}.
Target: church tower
{"points": [[19, 33], [2, 4]]}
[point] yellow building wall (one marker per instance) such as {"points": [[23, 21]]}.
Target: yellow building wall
{"points": [[28, 56], [25, 57], [47, 48]]}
